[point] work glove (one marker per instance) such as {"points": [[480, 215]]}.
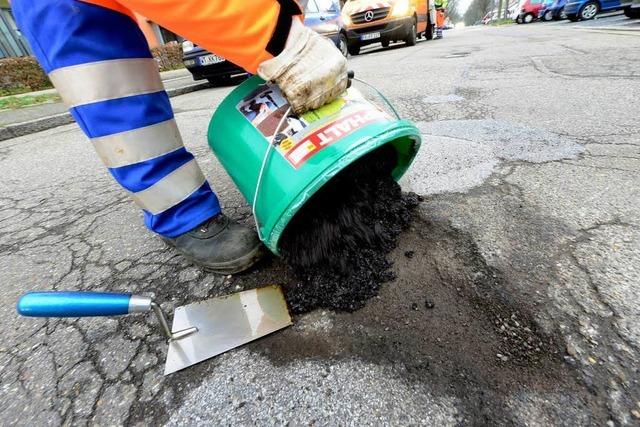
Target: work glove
{"points": [[310, 70]]}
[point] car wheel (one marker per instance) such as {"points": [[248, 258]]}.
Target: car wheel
{"points": [[342, 45], [412, 36], [518, 20], [560, 15], [589, 10], [354, 49], [528, 18], [633, 13], [548, 15], [573, 17]]}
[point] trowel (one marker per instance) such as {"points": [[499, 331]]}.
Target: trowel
{"points": [[200, 330]]}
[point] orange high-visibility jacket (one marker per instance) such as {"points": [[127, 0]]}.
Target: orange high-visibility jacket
{"points": [[245, 32]]}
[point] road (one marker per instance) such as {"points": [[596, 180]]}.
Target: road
{"points": [[527, 243]]}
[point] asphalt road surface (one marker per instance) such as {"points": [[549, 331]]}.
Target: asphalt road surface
{"points": [[526, 251]]}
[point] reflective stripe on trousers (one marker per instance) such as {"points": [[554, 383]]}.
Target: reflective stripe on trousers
{"points": [[100, 64]]}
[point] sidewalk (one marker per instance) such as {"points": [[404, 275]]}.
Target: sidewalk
{"points": [[34, 93], [23, 121]]}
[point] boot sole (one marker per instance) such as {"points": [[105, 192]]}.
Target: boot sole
{"points": [[237, 265]]}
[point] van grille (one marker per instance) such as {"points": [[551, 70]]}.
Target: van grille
{"points": [[378, 14]]}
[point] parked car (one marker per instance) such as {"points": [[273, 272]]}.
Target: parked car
{"points": [[529, 10], [633, 10], [577, 10], [205, 65], [322, 16], [553, 11], [494, 15], [373, 21], [490, 16]]}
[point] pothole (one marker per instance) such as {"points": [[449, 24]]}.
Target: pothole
{"points": [[441, 99], [445, 320], [457, 55]]}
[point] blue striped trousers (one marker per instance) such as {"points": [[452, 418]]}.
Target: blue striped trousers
{"points": [[100, 63]]}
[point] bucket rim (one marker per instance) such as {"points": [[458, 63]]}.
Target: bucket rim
{"points": [[397, 129]]}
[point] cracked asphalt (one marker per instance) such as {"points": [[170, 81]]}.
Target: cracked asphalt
{"points": [[516, 297]]}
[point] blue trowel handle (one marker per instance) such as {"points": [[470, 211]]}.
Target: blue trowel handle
{"points": [[80, 304]]}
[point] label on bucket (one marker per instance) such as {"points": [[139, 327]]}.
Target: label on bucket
{"points": [[301, 137]]}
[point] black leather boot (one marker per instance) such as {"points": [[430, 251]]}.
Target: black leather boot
{"points": [[219, 245]]}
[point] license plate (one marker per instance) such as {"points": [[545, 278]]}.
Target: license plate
{"points": [[210, 59], [370, 36]]}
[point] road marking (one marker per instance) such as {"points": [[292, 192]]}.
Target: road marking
{"points": [[613, 30]]}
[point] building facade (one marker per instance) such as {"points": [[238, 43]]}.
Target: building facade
{"points": [[11, 41]]}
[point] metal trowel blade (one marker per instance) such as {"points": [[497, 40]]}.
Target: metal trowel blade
{"points": [[225, 323]]}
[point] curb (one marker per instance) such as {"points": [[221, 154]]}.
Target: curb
{"points": [[15, 130]]}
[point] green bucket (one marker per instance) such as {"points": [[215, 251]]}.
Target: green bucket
{"points": [[306, 151]]}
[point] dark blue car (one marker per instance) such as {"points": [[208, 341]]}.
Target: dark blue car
{"points": [[323, 16], [553, 11], [633, 10], [577, 10]]}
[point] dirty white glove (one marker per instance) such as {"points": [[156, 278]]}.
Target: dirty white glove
{"points": [[310, 70]]}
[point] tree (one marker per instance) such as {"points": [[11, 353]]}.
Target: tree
{"points": [[476, 11], [452, 11]]}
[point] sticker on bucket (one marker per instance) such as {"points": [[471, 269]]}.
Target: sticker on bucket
{"points": [[301, 137]]}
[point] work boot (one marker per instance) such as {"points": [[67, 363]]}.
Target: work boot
{"points": [[219, 245]]}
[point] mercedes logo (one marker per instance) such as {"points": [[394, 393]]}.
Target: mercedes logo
{"points": [[368, 15]]}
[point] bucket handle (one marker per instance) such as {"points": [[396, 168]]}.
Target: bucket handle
{"points": [[262, 167], [381, 95]]}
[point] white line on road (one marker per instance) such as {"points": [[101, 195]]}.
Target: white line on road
{"points": [[613, 30]]}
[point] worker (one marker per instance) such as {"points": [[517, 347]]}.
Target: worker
{"points": [[99, 61], [441, 7]]}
